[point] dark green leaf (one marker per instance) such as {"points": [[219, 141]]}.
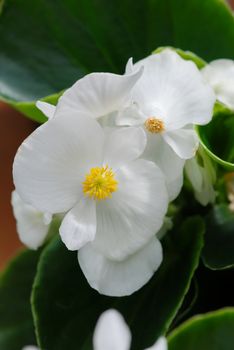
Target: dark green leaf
{"points": [[16, 323], [217, 137], [218, 252], [189, 303], [66, 309], [213, 331], [46, 45], [216, 290]]}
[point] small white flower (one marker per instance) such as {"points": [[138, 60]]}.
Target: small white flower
{"points": [[30, 347], [112, 332], [114, 202], [202, 177], [220, 75], [167, 100], [32, 225]]}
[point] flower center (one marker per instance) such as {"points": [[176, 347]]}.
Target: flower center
{"points": [[100, 183], [154, 125]]}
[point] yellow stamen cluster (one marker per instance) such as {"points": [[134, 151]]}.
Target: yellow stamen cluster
{"points": [[100, 183], [154, 125]]}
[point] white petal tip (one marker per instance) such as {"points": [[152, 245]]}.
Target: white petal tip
{"points": [[111, 332], [46, 108]]}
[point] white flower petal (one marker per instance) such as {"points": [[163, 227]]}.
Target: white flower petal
{"points": [[161, 344], [175, 185], [31, 227], [123, 145], [50, 165], [184, 142], [30, 347], [207, 194], [202, 179], [220, 75], [176, 88], [130, 115], [129, 69], [120, 278], [193, 171], [158, 151], [111, 332], [46, 108], [99, 93], [135, 212], [79, 225], [47, 218]]}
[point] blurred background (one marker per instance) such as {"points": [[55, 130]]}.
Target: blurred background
{"points": [[15, 128]]}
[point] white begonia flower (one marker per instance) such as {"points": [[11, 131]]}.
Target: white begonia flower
{"points": [[202, 176], [167, 100], [220, 75], [112, 199], [112, 332], [32, 225]]}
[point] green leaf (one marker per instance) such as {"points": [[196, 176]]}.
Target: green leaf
{"points": [[1, 5], [215, 290], [16, 323], [213, 331], [66, 308], [30, 109], [217, 137], [219, 238], [47, 45]]}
